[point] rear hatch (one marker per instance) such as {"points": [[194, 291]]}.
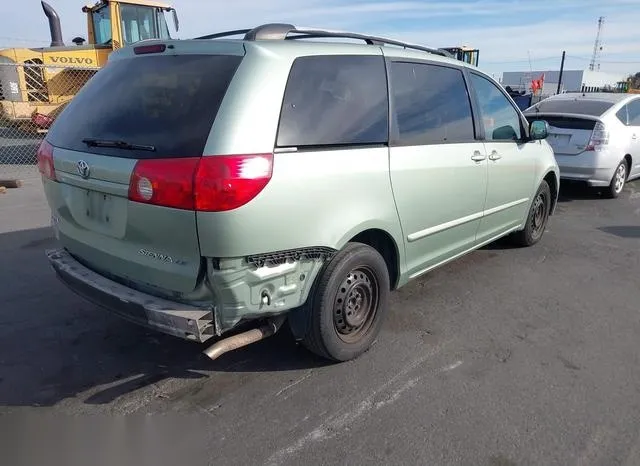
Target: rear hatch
{"points": [[572, 120], [155, 108], [568, 135]]}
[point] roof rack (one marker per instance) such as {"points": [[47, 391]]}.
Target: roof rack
{"points": [[217, 35], [283, 31]]}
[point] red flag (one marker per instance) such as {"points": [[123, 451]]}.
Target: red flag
{"points": [[537, 84]]}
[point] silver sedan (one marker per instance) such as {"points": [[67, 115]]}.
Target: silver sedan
{"points": [[595, 137]]}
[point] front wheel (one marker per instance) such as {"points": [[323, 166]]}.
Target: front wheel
{"points": [[617, 182], [537, 218], [349, 303]]}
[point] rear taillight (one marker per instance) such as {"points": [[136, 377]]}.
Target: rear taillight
{"points": [[165, 182], [226, 182], [44, 157], [599, 137], [209, 184]]}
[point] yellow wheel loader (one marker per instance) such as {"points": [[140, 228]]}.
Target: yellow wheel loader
{"points": [[35, 82], [465, 54]]}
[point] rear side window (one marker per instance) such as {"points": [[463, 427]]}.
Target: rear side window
{"points": [[335, 100], [634, 112], [577, 106], [622, 115], [430, 105], [169, 102]]}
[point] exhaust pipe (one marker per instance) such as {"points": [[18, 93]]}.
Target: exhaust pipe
{"points": [[243, 339], [54, 25]]}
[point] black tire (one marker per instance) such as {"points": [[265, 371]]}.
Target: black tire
{"points": [[354, 282], [537, 218], [618, 181]]}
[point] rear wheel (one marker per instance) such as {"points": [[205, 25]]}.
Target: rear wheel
{"points": [[537, 218], [618, 181], [349, 303]]}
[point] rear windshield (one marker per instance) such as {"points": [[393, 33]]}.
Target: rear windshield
{"points": [[168, 102], [334, 101], [578, 107], [566, 122]]}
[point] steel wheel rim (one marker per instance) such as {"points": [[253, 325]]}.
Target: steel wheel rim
{"points": [[356, 304], [621, 174], [538, 219]]}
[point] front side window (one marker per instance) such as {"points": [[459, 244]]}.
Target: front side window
{"points": [[430, 105], [500, 119], [102, 25], [335, 100], [138, 23]]}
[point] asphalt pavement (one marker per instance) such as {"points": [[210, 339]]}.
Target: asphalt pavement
{"points": [[505, 357]]}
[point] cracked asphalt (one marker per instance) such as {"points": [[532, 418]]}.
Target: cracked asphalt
{"points": [[505, 357]]}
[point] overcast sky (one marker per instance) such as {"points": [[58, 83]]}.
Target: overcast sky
{"points": [[508, 33]]}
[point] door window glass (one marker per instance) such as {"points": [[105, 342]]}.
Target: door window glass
{"points": [[138, 23], [102, 25], [430, 105], [500, 119]]}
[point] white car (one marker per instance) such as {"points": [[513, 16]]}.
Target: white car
{"points": [[595, 137]]}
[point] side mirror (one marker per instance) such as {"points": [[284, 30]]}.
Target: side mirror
{"points": [[539, 129]]}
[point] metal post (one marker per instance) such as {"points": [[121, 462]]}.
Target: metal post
{"points": [[561, 71]]}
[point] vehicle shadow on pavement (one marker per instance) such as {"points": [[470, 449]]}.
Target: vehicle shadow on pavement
{"points": [[623, 231], [501, 244], [165, 358], [55, 346], [576, 191]]}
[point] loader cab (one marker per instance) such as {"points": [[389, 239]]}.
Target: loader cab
{"points": [[116, 24], [465, 54]]}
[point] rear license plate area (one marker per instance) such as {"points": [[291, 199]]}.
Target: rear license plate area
{"points": [[559, 139], [98, 207]]}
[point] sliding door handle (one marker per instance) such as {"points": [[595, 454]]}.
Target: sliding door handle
{"points": [[478, 157], [495, 156]]}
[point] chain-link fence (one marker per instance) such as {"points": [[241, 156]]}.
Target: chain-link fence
{"points": [[32, 95]]}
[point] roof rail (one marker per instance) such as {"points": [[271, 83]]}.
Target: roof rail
{"points": [[217, 35], [283, 31], [371, 40]]}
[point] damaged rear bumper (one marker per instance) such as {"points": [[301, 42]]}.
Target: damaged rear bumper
{"points": [[184, 321]]}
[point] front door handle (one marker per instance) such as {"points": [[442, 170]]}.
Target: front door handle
{"points": [[495, 156], [478, 157], [633, 137]]}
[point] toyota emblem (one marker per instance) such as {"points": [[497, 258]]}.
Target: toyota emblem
{"points": [[83, 169]]}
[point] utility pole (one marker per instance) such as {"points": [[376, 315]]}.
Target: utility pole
{"points": [[561, 71], [597, 47]]}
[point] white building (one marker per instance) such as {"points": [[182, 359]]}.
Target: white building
{"points": [[572, 80]]}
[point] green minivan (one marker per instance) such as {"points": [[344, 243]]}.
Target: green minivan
{"points": [[285, 175]]}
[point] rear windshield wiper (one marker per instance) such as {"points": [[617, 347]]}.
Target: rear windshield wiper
{"points": [[117, 144]]}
